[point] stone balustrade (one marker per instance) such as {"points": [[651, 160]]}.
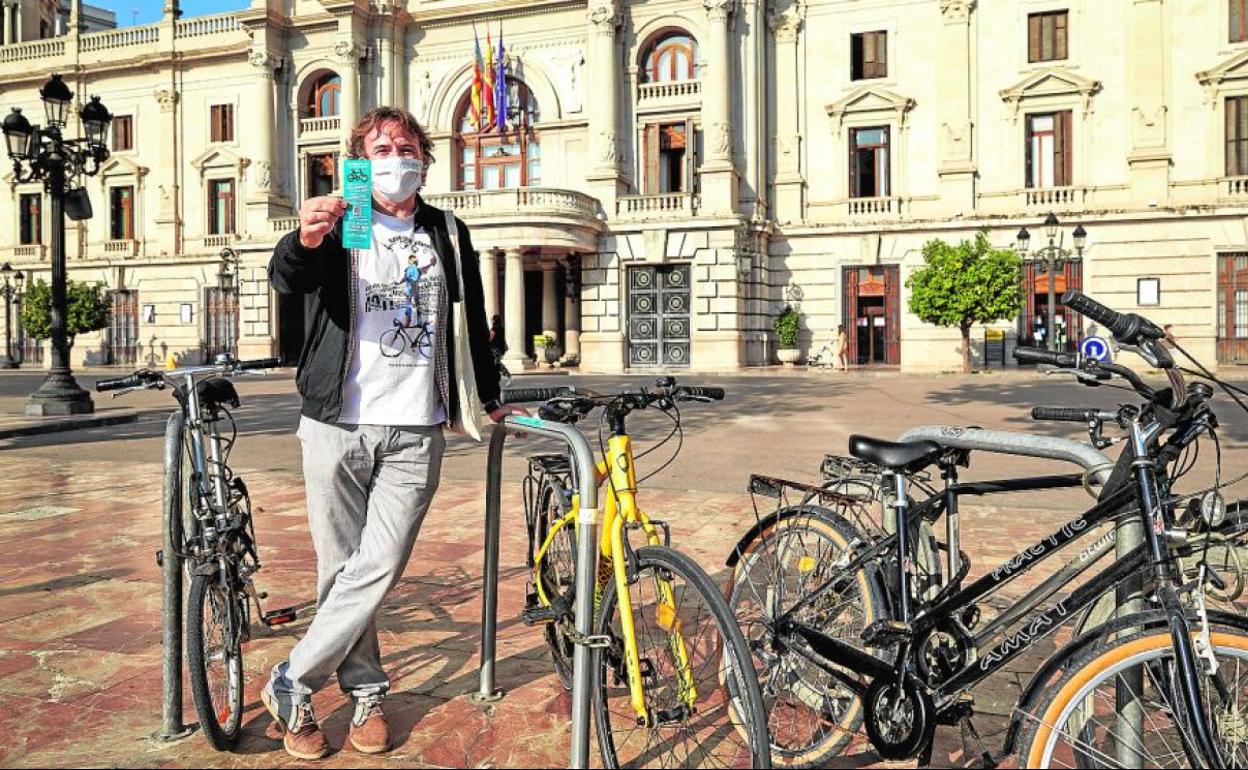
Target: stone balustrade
{"points": [[199, 26], [283, 225], [33, 49], [1055, 198], [659, 206], [673, 90], [327, 125], [126, 37], [218, 241], [121, 248], [520, 200], [30, 251], [882, 207]]}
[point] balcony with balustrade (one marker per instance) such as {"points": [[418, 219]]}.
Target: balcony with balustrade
{"points": [[660, 206], [539, 217], [669, 95], [313, 129]]}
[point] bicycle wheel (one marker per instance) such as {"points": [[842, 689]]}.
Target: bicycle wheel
{"points": [[1119, 705], [557, 571], [700, 689], [215, 659], [813, 715], [423, 345], [393, 342]]}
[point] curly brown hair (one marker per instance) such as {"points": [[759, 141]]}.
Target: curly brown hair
{"points": [[379, 116]]}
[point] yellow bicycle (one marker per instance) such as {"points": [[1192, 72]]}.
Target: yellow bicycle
{"points": [[673, 681]]}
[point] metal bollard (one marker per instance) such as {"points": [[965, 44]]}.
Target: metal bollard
{"points": [[586, 570], [172, 728]]}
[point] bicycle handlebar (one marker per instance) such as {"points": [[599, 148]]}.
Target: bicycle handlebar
{"points": [[147, 376], [695, 392], [1041, 356], [135, 380], [1127, 328], [1071, 414], [518, 395], [258, 363]]}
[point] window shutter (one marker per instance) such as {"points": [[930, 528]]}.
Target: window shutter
{"points": [[884, 183], [652, 159], [691, 160], [1065, 168], [854, 192], [868, 55], [1237, 20], [1059, 35], [1033, 38], [1232, 134], [881, 54], [857, 57], [1028, 159]]}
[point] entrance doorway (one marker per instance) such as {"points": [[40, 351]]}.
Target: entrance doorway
{"points": [[658, 316], [1032, 325], [872, 315]]}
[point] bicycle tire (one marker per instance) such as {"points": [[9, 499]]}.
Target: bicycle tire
{"points": [[391, 349], [1074, 695], [741, 711], [829, 527], [220, 715], [557, 580]]}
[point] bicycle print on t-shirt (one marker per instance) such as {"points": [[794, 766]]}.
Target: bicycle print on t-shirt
{"points": [[412, 300]]}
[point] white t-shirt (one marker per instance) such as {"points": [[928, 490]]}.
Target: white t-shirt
{"points": [[400, 284]]}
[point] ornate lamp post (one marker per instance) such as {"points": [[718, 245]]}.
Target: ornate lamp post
{"points": [[42, 153], [226, 277], [1050, 259], [9, 291]]}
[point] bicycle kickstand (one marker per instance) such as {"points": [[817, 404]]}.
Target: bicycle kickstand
{"points": [[971, 736]]}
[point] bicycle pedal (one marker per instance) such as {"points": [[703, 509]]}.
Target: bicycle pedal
{"points": [[539, 616], [278, 617], [883, 632], [591, 641]]}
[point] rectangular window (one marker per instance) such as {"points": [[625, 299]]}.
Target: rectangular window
{"points": [[868, 55], [121, 213], [1046, 36], [322, 174], [669, 162], [868, 163], [220, 206], [30, 208], [1048, 149], [123, 132], [222, 123], [123, 337], [1237, 136], [1239, 20]]}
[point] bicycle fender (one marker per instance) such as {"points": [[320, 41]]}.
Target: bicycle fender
{"points": [[1142, 620], [827, 514]]}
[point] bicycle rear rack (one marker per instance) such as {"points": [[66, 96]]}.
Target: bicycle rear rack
{"points": [[586, 569]]}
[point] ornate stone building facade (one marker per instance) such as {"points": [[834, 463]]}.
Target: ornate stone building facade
{"points": [[670, 174]]}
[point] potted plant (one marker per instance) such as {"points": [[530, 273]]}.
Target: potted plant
{"points": [[787, 328], [540, 342]]}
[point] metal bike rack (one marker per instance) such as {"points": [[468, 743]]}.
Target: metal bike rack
{"points": [[586, 568], [172, 727]]}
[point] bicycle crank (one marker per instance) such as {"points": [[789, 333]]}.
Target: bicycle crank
{"points": [[899, 717]]}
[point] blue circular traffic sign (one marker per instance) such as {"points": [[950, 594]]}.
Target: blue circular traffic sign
{"points": [[1095, 348]]}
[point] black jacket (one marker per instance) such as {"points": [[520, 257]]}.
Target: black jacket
{"points": [[325, 273]]}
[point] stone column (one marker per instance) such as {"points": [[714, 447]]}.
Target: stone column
{"points": [[719, 174], [516, 357], [348, 54], [957, 160], [550, 300], [604, 103], [9, 24], [489, 282], [571, 316], [260, 141], [19, 33], [789, 184], [168, 181], [1148, 55]]}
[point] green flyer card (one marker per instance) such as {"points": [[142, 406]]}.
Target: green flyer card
{"points": [[357, 189]]}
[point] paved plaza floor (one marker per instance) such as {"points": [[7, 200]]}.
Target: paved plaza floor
{"points": [[80, 608]]}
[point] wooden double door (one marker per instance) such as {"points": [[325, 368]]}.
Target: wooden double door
{"points": [[872, 314]]}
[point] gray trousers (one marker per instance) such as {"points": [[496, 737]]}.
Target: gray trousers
{"points": [[368, 489]]}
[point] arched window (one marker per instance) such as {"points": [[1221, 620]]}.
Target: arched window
{"points": [[674, 56], [491, 158], [323, 94]]}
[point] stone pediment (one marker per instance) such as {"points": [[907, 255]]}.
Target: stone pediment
{"points": [[120, 165], [219, 158], [1217, 78], [868, 100], [1056, 81]]}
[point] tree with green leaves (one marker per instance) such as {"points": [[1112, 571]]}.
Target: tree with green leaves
{"points": [[88, 307], [965, 284]]}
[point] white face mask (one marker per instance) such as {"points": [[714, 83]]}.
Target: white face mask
{"points": [[397, 179]]}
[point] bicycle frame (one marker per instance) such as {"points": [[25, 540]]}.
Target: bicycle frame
{"points": [[1151, 554], [620, 510]]}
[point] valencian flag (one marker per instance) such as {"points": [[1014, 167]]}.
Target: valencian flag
{"points": [[487, 80], [476, 79], [500, 86]]}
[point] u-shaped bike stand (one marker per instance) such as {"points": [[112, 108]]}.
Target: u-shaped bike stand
{"points": [[586, 568]]}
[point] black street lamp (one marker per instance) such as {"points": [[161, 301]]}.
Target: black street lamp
{"points": [[9, 291], [42, 153], [1050, 259]]}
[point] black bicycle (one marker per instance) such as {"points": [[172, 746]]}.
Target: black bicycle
{"points": [[219, 538], [416, 338], [846, 630]]}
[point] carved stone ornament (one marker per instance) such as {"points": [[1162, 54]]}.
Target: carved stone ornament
{"points": [[166, 97], [957, 10], [263, 175], [347, 50], [262, 60], [607, 150], [719, 9], [605, 17], [786, 25], [720, 140]]}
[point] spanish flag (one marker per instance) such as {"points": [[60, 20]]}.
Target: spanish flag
{"points": [[477, 84], [487, 80]]}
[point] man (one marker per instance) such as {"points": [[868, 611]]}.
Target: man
{"points": [[371, 424]]}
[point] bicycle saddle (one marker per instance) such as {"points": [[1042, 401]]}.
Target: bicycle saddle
{"points": [[904, 457]]}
